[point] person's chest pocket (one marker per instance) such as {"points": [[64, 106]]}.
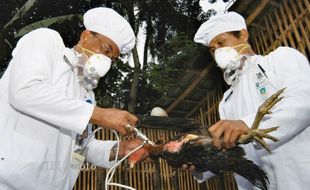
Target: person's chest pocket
{"points": [[21, 161]]}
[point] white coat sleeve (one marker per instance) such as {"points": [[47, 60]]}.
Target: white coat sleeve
{"points": [[98, 152], [291, 114], [31, 90]]}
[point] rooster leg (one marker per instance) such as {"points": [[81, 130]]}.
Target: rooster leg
{"points": [[259, 134]]}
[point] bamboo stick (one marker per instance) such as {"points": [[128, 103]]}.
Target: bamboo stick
{"points": [[299, 17], [270, 39], [287, 28], [298, 38], [261, 41], [307, 10]]}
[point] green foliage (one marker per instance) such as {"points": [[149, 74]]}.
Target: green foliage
{"points": [[166, 18], [172, 61], [45, 24], [147, 94]]}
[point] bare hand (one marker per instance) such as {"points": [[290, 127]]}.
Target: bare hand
{"points": [[226, 132], [125, 147], [111, 118]]}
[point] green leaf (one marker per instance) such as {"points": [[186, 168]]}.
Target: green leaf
{"points": [[45, 23], [21, 12]]}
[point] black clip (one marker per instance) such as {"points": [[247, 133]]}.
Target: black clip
{"points": [[229, 95], [261, 68]]}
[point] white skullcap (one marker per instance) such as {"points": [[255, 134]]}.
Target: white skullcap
{"points": [[109, 23], [219, 24], [158, 111]]}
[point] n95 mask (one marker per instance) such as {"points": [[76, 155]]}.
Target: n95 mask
{"points": [[228, 59], [225, 57], [94, 68]]}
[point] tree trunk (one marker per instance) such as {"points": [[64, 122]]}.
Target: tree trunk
{"points": [[135, 82], [129, 6], [149, 32]]}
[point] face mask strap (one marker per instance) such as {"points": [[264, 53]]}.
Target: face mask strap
{"points": [[86, 50], [244, 46]]}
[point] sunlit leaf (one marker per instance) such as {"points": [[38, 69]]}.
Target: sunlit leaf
{"points": [[44, 23], [22, 11]]}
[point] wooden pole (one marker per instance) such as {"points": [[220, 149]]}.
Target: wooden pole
{"points": [[258, 9], [202, 74]]}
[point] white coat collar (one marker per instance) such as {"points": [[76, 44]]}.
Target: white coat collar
{"points": [[71, 57], [250, 62]]}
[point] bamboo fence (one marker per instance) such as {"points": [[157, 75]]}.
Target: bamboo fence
{"points": [[287, 24]]}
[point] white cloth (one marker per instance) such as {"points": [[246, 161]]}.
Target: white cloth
{"points": [[42, 112], [288, 167], [219, 24], [109, 23]]}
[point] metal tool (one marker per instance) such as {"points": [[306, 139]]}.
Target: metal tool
{"points": [[140, 135]]}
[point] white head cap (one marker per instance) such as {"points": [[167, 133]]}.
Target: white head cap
{"points": [[109, 23], [219, 24], [158, 111]]}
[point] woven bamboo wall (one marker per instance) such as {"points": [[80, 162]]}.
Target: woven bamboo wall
{"points": [[288, 24]]}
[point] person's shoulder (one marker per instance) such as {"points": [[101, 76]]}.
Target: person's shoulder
{"points": [[283, 52], [42, 38], [286, 58], [43, 33]]}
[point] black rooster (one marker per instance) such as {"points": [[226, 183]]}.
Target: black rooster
{"points": [[196, 148]]}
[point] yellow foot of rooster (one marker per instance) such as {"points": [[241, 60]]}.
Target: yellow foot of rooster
{"points": [[259, 134]]}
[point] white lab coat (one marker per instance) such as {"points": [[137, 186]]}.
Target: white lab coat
{"points": [[42, 111], [288, 167]]}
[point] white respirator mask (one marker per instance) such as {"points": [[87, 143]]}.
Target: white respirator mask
{"points": [[228, 59], [95, 67]]}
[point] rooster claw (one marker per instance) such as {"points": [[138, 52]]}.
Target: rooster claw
{"points": [[258, 134]]}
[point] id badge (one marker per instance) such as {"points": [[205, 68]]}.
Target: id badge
{"points": [[261, 85], [77, 161]]}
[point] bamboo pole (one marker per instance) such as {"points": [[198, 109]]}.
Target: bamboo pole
{"points": [[299, 18], [256, 12], [256, 44], [292, 23], [280, 23], [270, 38], [287, 28]]}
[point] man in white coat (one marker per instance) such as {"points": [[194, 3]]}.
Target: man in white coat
{"points": [[252, 79], [47, 104]]}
